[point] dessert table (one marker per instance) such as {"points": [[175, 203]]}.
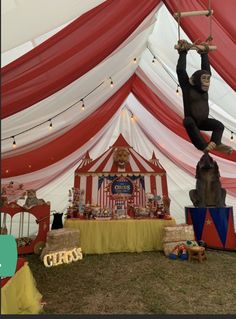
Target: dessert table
{"points": [[125, 235]]}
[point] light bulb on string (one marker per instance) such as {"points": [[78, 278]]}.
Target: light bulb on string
{"points": [[83, 106], [50, 124], [131, 116], [111, 83], [177, 90], [135, 60], [154, 59], [232, 136], [14, 142]]}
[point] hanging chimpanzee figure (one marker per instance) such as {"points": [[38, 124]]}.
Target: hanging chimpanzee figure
{"points": [[195, 99]]}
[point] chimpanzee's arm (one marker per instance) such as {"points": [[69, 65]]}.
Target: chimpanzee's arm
{"points": [[181, 69], [205, 65]]}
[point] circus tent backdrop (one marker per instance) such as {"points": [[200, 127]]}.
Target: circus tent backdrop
{"points": [[99, 178], [90, 70]]}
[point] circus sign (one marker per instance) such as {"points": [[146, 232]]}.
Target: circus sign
{"points": [[122, 187]]}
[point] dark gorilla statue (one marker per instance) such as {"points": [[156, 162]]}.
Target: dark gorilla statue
{"points": [[208, 190], [195, 99]]}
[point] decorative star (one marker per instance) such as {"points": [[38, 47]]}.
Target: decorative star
{"points": [[208, 222]]}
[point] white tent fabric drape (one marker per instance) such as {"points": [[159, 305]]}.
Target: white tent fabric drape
{"points": [[26, 20]]}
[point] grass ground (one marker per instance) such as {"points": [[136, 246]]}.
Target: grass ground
{"points": [[139, 283]]}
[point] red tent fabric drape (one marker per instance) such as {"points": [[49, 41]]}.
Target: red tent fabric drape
{"points": [[70, 53], [223, 32], [67, 143], [224, 15], [161, 111]]}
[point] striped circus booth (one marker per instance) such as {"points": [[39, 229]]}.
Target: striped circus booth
{"points": [[120, 177]]}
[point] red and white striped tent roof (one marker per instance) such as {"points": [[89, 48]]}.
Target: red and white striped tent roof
{"points": [[105, 164]]}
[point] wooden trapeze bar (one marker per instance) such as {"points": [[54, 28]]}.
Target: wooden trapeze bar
{"points": [[198, 46], [193, 13]]}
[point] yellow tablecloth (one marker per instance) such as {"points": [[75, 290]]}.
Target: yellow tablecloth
{"points": [[20, 295], [131, 235]]}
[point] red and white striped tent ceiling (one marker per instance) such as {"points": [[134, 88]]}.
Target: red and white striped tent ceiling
{"points": [[58, 101]]}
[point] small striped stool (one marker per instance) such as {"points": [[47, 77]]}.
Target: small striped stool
{"points": [[197, 253]]}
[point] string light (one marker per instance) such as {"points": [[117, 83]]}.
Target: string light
{"points": [[14, 142], [83, 106], [155, 58], [129, 111], [63, 111], [50, 120], [232, 136], [50, 125], [177, 90], [111, 83]]}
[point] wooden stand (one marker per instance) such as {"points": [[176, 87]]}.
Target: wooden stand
{"points": [[197, 253]]}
